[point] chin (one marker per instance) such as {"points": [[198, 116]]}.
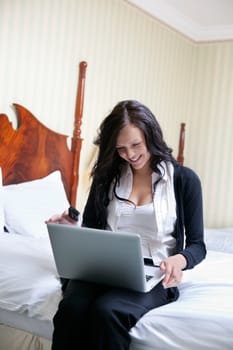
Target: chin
{"points": [[137, 167]]}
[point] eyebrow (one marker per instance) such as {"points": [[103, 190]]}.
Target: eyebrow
{"points": [[133, 142]]}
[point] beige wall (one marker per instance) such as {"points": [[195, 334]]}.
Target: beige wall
{"points": [[210, 140], [129, 55]]}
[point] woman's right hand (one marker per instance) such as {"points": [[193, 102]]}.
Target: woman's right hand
{"points": [[61, 219]]}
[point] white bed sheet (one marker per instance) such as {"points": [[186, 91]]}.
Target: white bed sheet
{"points": [[201, 318], [29, 283]]}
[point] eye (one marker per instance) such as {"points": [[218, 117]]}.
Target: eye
{"points": [[120, 149], [136, 144]]}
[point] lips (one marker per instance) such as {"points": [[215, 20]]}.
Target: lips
{"points": [[135, 161]]}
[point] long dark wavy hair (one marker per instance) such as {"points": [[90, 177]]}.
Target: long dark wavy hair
{"points": [[109, 165]]}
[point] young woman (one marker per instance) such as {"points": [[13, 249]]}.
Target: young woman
{"points": [[137, 187]]}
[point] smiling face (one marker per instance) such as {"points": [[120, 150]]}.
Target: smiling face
{"points": [[131, 146]]}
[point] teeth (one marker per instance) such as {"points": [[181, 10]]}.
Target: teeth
{"points": [[134, 160]]}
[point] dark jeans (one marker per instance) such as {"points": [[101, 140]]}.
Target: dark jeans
{"points": [[97, 317]]}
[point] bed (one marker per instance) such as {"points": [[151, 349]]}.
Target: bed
{"points": [[36, 183]]}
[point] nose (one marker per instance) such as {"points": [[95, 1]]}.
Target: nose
{"points": [[130, 153]]}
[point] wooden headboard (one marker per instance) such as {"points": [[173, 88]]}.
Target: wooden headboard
{"points": [[33, 151], [180, 156]]}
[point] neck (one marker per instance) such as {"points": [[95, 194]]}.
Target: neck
{"points": [[145, 171]]}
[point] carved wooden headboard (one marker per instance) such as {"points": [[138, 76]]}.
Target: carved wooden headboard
{"points": [[33, 151]]}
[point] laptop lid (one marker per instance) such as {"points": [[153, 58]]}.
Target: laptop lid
{"points": [[101, 256]]}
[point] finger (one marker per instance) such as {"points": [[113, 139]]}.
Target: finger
{"points": [[175, 279], [168, 273], [170, 282]]}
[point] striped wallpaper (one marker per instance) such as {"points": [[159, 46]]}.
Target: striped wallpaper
{"points": [[211, 120], [129, 55]]}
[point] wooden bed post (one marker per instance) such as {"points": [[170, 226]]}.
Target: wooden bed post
{"points": [[76, 139], [180, 157]]}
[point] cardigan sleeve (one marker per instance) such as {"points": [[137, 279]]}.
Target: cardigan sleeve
{"points": [[190, 217], [89, 214], [93, 216]]}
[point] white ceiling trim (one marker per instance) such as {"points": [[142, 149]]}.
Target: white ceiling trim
{"points": [[183, 24]]}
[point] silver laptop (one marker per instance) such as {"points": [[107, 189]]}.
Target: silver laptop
{"points": [[100, 256]]}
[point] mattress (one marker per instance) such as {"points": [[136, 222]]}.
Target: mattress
{"points": [[13, 319], [30, 292]]}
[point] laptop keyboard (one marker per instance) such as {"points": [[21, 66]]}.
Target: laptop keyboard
{"points": [[148, 277]]}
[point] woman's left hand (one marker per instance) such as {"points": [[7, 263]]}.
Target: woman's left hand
{"points": [[172, 267]]}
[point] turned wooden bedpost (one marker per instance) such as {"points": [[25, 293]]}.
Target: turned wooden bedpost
{"points": [[76, 139], [180, 157]]}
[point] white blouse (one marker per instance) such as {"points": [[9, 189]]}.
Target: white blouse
{"points": [[154, 221]]}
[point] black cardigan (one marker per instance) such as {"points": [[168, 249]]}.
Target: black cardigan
{"points": [[189, 231]]}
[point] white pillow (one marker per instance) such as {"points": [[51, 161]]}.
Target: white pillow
{"points": [[27, 205], [219, 239], [1, 205]]}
